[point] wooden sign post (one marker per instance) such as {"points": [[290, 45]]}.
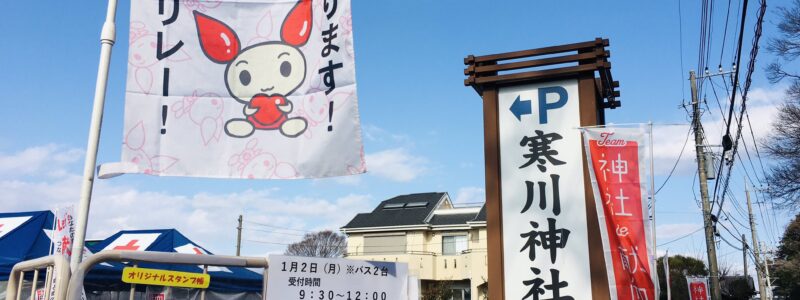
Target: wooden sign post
{"points": [[543, 234]]}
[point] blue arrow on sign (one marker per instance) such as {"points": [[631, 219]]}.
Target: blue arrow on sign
{"points": [[520, 108]]}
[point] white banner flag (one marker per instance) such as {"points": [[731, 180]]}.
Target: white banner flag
{"points": [[64, 231], [241, 89]]}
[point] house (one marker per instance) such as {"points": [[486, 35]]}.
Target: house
{"points": [[444, 245]]}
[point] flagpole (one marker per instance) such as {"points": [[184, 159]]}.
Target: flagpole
{"points": [[107, 37], [653, 213]]}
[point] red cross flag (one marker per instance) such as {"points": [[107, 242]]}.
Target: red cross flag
{"points": [[259, 89]]}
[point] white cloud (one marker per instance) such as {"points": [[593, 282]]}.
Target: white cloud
{"points": [[376, 134], [207, 218], [762, 106], [470, 194], [34, 160], [396, 165]]}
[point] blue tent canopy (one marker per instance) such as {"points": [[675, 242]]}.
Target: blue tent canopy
{"points": [[108, 276], [23, 237]]}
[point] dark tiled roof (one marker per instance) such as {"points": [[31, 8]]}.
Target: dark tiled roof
{"points": [[409, 209], [481, 217], [453, 219]]}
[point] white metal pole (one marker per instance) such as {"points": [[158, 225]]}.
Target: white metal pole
{"points": [[107, 37], [653, 214], [53, 233]]}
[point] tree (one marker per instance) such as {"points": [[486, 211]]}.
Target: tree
{"points": [[737, 287], [783, 144], [324, 243], [437, 290], [786, 266], [677, 265]]}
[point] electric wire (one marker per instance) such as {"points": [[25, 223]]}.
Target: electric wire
{"points": [[680, 238], [747, 83], [725, 33], [276, 227], [688, 134]]}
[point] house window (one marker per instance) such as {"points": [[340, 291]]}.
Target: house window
{"points": [[454, 244], [384, 244], [461, 294]]}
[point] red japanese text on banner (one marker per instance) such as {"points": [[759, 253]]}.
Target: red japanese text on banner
{"points": [[617, 157]]}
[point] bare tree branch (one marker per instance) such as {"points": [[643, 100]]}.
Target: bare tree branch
{"points": [[319, 244]]}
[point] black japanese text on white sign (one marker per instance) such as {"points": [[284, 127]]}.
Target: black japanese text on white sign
{"points": [[307, 278], [545, 244]]}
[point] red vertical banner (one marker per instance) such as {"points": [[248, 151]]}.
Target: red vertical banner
{"points": [[698, 288], [616, 157]]}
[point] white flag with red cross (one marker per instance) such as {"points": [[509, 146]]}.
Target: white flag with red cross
{"points": [[259, 89]]}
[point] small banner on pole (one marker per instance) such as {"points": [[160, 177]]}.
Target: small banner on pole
{"points": [[618, 170], [258, 89], [698, 288]]}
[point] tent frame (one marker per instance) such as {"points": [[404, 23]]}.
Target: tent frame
{"points": [[17, 276], [76, 280]]}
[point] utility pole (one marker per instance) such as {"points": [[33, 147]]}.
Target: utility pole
{"points": [[766, 269], [239, 236], [744, 254], [716, 292], [762, 289]]}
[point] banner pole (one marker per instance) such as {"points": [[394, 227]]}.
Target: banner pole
{"points": [[653, 213], [107, 37]]}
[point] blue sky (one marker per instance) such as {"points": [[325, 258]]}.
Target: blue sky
{"points": [[422, 127]]}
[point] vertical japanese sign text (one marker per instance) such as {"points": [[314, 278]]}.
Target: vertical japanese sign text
{"points": [[619, 184], [545, 243]]}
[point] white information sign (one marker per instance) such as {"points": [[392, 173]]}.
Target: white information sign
{"points": [[301, 278], [545, 242]]}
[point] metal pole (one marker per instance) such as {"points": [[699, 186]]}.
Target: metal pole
{"points": [[766, 270], [19, 285], [654, 253], [239, 236], [762, 290], [107, 36], [203, 291], [132, 292], [716, 293], [33, 284], [48, 278]]}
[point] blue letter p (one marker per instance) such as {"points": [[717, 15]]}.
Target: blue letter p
{"points": [[544, 106]]}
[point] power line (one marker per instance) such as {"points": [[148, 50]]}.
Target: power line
{"points": [[688, 134], [272, 231], [680, 50], [725, 33], [680, 238], [755, 143], [748, 82], [277, 227]]}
